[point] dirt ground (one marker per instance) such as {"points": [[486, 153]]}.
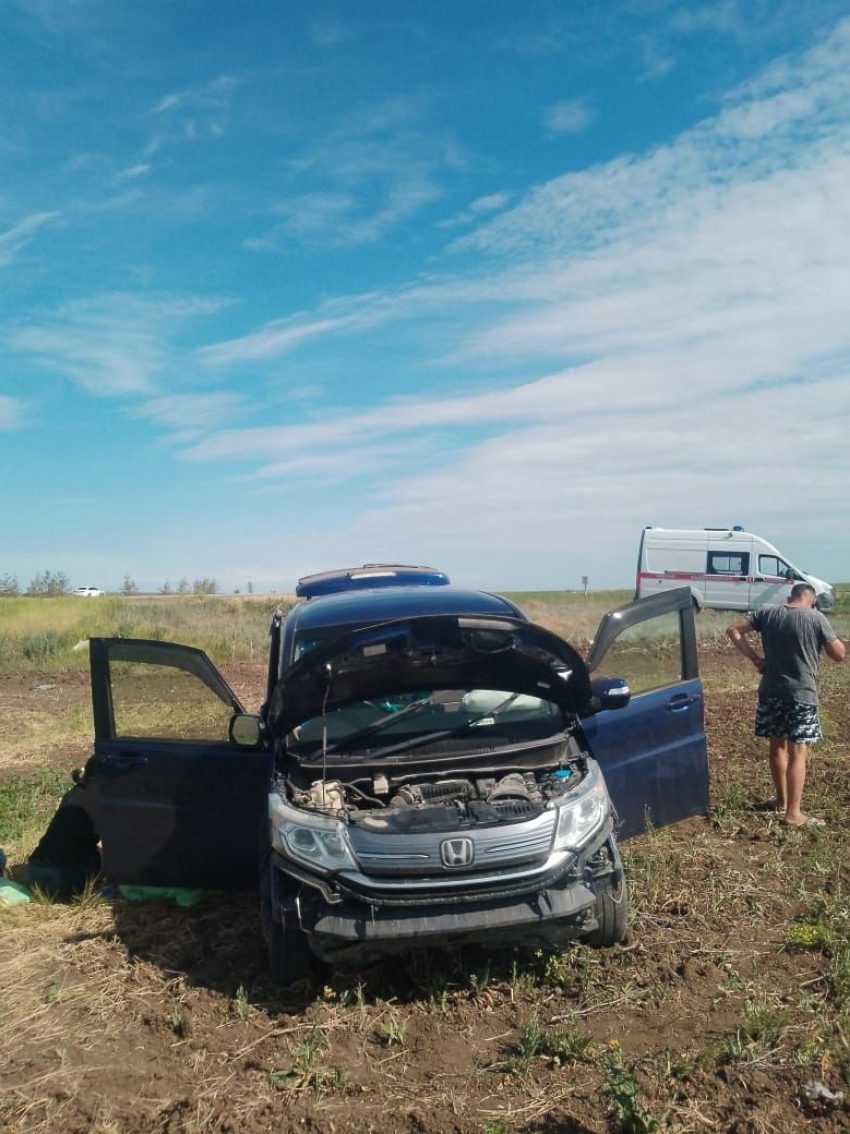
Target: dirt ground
{"points": [[718, 1013]]}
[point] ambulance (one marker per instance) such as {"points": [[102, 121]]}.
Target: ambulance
{"points": [[725, 568]]}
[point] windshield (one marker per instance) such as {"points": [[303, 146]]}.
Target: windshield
{"points": [[382, 726]]}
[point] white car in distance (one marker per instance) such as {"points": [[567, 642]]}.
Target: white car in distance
{"points": [[88, 592]]}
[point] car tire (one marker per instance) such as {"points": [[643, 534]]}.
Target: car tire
{"points": [[612, 916], [290, 955]]}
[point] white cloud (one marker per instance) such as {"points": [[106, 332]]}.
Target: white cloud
{"points": [[569, 116], [11, 413], [327, 33], [190, 414], [192, 114], [491, 203], [14, 239], [132, 172], [272, 340], [363, 179], [722, 16], [110, 345]]}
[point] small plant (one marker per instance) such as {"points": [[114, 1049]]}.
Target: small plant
{"points": [[479, 981], [734, 805], [311, 1045], [808, 935], [242, 1002], [531, 1039], [521, 979], [306, 1074], [178, 1023], [764, 1022], [557, 974], [566, 1046], [623, 1090], [393, 1031]]}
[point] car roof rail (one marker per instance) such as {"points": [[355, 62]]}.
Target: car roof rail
{"points": [[368, 576]]}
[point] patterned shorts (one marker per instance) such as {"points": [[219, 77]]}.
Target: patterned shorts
{"points": [[778, 716]]}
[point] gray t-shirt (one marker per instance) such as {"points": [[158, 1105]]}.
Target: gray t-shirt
{"points": [[792, 638]]}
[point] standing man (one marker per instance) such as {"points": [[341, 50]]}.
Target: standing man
{"points": [[792, 638]]}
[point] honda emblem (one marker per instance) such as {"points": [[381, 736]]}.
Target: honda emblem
{"points": [[457, 852]]}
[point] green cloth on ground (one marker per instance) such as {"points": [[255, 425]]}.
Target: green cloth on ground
{"points": [[13, 893], [176, 894]]}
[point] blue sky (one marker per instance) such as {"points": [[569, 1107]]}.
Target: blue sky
{"points": [[488, 286]]}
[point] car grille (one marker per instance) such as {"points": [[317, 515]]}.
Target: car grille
{"points": [[501, 847]]}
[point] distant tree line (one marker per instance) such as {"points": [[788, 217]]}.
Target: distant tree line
{"points": [[46, 583], [58, 583]]}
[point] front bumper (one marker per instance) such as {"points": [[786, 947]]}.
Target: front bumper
{"points": [[345, 926]]}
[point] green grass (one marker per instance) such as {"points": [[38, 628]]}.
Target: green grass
{"points": [[51, 633], [27, 801]]}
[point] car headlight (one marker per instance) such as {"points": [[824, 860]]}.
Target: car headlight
{"points": [[579, 818], [315, 840]]}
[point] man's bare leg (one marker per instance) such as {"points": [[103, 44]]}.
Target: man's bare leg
{"points": [[779, 770], [795, 778]]}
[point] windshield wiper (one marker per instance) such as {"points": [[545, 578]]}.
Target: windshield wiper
{"points": [[446, 733], [378, 726]]}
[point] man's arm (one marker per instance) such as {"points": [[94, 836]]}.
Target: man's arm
{"points": [[835, 649], [737, 635]]}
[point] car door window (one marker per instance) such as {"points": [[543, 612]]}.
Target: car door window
{"points": [[649, 654], [163, 701]]}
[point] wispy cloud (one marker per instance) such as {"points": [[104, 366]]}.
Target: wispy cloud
{"points": [[722, 16], [132, 172], [192, 113], [190, 415], [326, 33], [277, 338], [481, 207], [569, 116], [11, 413], [14, 239], [362, 180], [111, 345]]}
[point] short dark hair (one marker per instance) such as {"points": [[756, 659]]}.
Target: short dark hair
{"points": [[800, 589]]}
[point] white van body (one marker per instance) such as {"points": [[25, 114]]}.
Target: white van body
{"points": [[726, 568]]}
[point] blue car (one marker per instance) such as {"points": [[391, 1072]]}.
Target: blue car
{"points": [[428, 767]]}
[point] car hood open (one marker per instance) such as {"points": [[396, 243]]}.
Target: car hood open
{"points": [[433, 652]]}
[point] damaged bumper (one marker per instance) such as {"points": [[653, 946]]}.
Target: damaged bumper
{"points": [[342, 926]]}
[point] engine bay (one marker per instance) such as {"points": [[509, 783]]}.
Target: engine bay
{"points": [[420, 802]]}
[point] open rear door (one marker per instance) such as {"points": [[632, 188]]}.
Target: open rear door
{"points": [[178, 804], [653, 752]]}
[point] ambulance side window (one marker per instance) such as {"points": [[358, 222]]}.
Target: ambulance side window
{"points": [[734, 563]]}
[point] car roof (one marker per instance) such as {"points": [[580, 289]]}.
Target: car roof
{"points": [[367, 577], [363, 607]]}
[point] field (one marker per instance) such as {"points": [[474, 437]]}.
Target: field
{"points": [[726, 1009]]}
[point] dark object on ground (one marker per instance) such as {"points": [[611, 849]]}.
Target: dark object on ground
{"points": [[67, 856]]}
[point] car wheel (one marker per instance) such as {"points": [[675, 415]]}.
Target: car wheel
{"points": [[290, 956], [612, 916]]}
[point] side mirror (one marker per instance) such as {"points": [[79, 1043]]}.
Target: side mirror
{"points": [[609, 693], [246, 730]]}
